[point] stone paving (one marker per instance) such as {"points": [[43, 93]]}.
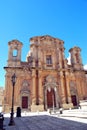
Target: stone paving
{"points": [[44, 122]]}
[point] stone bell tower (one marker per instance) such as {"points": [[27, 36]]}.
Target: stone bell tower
{"points": [[14, 54], [76, 60], [13, 64]]}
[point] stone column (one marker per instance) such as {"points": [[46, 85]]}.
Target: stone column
{"points": [[67, 87], [44, 60], [80, 86], [45, 96], [53, 60], [10, 54], [39, 53], [8, 87], [19, 54], [40, 88], [74, 57], [33, 64], [63, 99], [34, 52], [56, 97], [7, 95], [17, 90], [60, 59], [33, 87]]}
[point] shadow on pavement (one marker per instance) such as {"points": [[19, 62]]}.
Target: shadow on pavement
{"points": [[43, 122]]}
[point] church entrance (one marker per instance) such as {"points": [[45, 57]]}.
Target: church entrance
{"points": [[74, 100], [51, 102], [51, 98], [24, 102]]}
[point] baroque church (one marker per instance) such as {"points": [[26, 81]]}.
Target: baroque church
{"points": [[45, 80]]}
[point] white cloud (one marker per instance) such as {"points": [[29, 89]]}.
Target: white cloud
{"points": [[69, 59], [85, 67]]}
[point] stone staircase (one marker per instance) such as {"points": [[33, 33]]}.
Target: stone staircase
{"points": [[75, 113]]}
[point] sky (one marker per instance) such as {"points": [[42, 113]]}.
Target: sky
{"points": [[23, 19]]}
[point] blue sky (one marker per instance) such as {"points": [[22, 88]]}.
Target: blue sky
{"points": [[23, 19]]}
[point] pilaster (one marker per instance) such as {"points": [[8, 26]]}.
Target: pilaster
{"points": [[40, 88], [67, 87], [33, 87], [63, 99]]}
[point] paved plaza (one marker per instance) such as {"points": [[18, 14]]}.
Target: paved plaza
{"points": [[45, 121]]}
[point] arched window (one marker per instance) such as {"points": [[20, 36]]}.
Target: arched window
{"points": [[15, 52]]}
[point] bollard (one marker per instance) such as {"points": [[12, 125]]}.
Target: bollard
{"points": [[18, 114]]}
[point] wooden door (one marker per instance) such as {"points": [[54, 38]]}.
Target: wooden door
{"points": [[25, 102], [51, 99]]}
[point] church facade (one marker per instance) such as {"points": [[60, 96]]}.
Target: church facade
{"points": [[45, 80]]}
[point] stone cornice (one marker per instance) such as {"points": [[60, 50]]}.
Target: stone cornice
{"points": [[75, 49], [16, 42], [45, 37]]}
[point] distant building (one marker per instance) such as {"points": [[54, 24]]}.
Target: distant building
{"points": [[44, 80]]}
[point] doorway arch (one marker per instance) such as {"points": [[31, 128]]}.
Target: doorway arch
{"points": [[73, 91], [25, 96], [51, 98]]}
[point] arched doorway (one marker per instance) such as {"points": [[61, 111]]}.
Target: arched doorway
{"points": [[73, 92], [25, 95], [51, 98]]}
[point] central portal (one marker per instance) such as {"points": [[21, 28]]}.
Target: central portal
{"points": [[24, 102], [51, 98]]}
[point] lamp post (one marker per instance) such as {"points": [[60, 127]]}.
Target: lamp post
{"points": [[13, 79]]}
